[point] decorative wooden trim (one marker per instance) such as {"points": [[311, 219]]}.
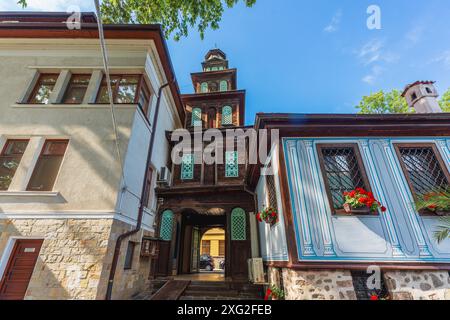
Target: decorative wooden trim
{"points": [[287, 209], [355, 147]]}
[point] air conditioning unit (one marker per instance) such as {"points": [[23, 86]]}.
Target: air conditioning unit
{"points": [[256, 270], [164, 177]]}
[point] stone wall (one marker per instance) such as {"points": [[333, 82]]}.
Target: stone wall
{"points": [[314, 285], [71, 259], [127, 283], [418, 285], [75, 258]]}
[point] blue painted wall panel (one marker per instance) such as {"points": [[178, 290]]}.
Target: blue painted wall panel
{"points": [[400, 234]]}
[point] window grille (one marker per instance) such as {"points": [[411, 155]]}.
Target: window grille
{"points": [[362, 291], [271, 191], [196, 117], [423, 169], [238, 225], [166, 225], [231, 164], [343, 172], [227, 115], [187, 167]]}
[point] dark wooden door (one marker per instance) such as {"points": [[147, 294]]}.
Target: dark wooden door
{"points": [[239, 245], [19, 269], [162, 265]]}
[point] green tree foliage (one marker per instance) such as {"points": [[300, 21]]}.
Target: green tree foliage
{"points": [[175, 16], [445, 101], [392, 102], [381, 102]]}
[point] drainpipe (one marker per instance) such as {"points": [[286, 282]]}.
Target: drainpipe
{"points": [[142, 204]]}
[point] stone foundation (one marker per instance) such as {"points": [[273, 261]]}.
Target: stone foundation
{"points": [[314, 285], [127, 283], [338, 284], [418, 285], [75, 258]]}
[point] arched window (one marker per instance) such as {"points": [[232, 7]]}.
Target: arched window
{"points": [[166, 229], [204, 87], [223, 85], [187, 167], [231, 164], [238, 225], [196, 117], [227, 115]]}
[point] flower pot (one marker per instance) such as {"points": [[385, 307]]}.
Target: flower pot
{"points": [[360, 210], [443, 213]]}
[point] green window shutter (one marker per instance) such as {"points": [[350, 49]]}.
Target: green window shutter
{"points": [[227, 115], [196, 117], [165, 232], [204, 87], [187, 167], [238, 225], [223, 85], [231, 164]]}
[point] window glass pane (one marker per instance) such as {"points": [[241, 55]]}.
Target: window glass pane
{"points": [[9, 161], [342, 173], [187, 167], [231, 164], [206, 247], [76, 89], [227, 115], [221, 247], [126, 92], [223, 85], [271, 191], [102, 96], [44, 88], [423, 169], [47, 167], [204, 87], [144, 97], [196, 117]]}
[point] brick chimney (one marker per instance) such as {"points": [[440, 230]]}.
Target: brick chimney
{"points": [[422, 96]]}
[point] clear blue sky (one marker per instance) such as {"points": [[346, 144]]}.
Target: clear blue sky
{"points": [[317, 56]]}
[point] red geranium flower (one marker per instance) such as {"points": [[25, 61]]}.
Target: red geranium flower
{"points": [[268, 293], [374, 297], [383, 209], [258, 216]]}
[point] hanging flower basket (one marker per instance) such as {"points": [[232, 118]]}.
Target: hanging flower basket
{"points": [[360, 201], [268, 215]]}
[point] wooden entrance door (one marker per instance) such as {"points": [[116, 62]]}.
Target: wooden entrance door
{"points": [[239, 247], [19, 269]]}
